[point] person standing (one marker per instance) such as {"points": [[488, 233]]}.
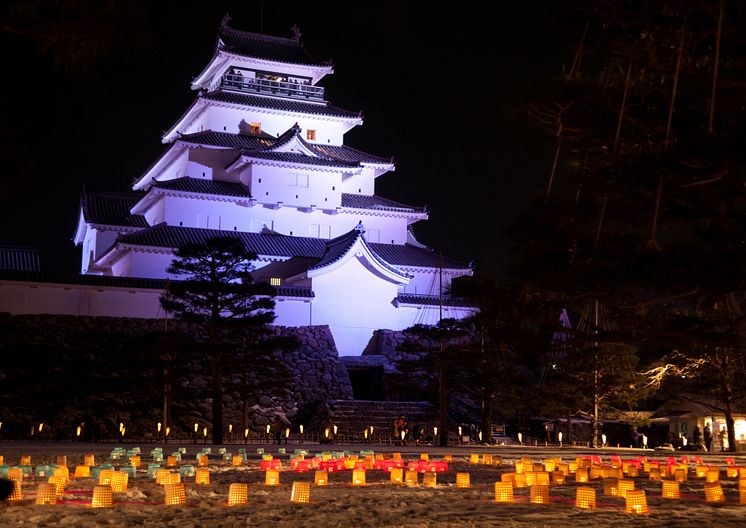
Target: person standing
{"points": [[708, 437]]}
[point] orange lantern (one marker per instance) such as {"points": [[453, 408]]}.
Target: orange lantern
{"points": [[321, 478], [358, 477], [636, 502], [272, 477], [539, 494], [46, 493], [102, 497], [89, 460], [300, 492], [504, 492], [82, 471], [463, 480], [411, 479], [175, 494], [585, 498], [119, 481], [714, 492], [395, 476], [670, 490], [238, 493], [202, 476]]}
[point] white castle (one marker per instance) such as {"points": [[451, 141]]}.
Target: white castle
{"points": [[260, 156]]}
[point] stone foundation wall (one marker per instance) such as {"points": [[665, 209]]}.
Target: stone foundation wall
{"points": [[63, 370]]}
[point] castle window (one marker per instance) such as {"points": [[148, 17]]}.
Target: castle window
{"points": [[255, 128], [311, 135], [275, 281]]}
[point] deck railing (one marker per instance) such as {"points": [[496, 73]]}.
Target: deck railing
{"points": [[281, 88]]}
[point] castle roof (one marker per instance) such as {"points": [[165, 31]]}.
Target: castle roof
{"points": [[280, 104], [227, 140], [111, 208], [277, 245], [17, 258], [364, 201], [257, 45], [214, 187]]}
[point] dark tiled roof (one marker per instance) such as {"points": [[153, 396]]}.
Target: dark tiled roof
{"points": [[292, 157], [195, 185], [265, 47], [363, 201], [111, 208], [431, 300], [286, 105], [120, 282], [224, 139], [409, 255], [13, 258], [347, 153], [171, 237], [336, 248]]}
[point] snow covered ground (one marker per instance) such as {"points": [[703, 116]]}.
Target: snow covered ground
{"points": [[379, 503]]}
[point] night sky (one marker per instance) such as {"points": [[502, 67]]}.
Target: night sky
{"points": [[91, 86]]}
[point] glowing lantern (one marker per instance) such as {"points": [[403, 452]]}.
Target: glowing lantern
{"points": [[358, 477], [426, 457], [585, 498], [46, 493], [550, 464], [558, 478], [411, 479], [135, 460], [82, 471], [712, 475], [564, 468], [238, 493], [175, 494], [272, 477], [2, 458], [202, 460], [17, 493], [504, 492], [701, 471], [163, 476], [474, 459], [539, 494], [321, 478], [171, 461], [89, 460], [624, 486], [680, 475], [670, 490], [448, 458], [741, 494], [396, 456], [300, 492], [633, 471], [25, 460], [104, 478], [61, 460], [581, 475], [61, 471], [597, 472], [102, 497], [519, 480], [463, 480], [236, 460], [204, 432], [168, 430], [396, 476], [435, 431], [202, 476], [196, 428], [15, 473], [655, 474], [636, 502], [119, 481], [714, 492], [487, 459], [611, 487], [731, 472]]}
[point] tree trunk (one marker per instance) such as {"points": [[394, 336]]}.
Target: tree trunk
{"points": [[486, 418], [443, 401], [731, 426], [568, 429]]}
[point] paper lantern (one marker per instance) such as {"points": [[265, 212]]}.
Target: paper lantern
{"points": [[25, 460], [487, 459], [712, 475], [135, 460], [564, 468], [2, 458], [597, 472], [430, 480], [175, 494], [670, 490], [636, 502], [426, 456], [321, 478], [581, 475], [82, 472], [448, 458], [624, 486], [15, 473], [162, 475], [238, 493], [300, 492], [714, 492], [411, 479], [202, 476], [104, 478], [237, 460], [558, 478], [539, 494], [700, 471], [272, 477], [655, 474], [572, 467], [46, 493], [611, 487], [202, 460], [585, 498], [396, 456], [741, 493], [396, 476], [504, 492], [61, 460], [119, 481], [474, 459], [102, 497], [633, 471], [463, 480], [61, 471], [519, 480], [17, 493], [731, 472], [171, 461], [358, 477]]}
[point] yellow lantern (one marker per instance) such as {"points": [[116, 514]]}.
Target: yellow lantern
{"points": [[82, 472], [487, 459], [272, 477], [358, 477], [519, 480], [300, 492], [680, 475], [102, 497], [624, 486], [611, 487], [448, 458], [46, 493], [585, 498], [17, 493], [59, 483], [119, 481], [104, 478], [171, 461], [474, 459], [135, 460], [731, 472], [196, 427], [15, 473], [321, 478], [558, 478], [61, 460], [581, 475], [202, 461], [700, 471], [636, 502], [89, 460], [162, 476], [396, 476], [712, 475], [238, 493], [714, 492], [655, 474], [430, 480], [202, 476], [504, 492], [426, 456], [463, 480], [237, 460], [411, 479], [175, 494], [539, 494], [25, 460], [741, 493], [670, 490]]}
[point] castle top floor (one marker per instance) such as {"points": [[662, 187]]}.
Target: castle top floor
{"points": [[264, 65]]}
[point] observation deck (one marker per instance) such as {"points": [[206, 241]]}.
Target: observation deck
{"points": [[255, 85]]}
